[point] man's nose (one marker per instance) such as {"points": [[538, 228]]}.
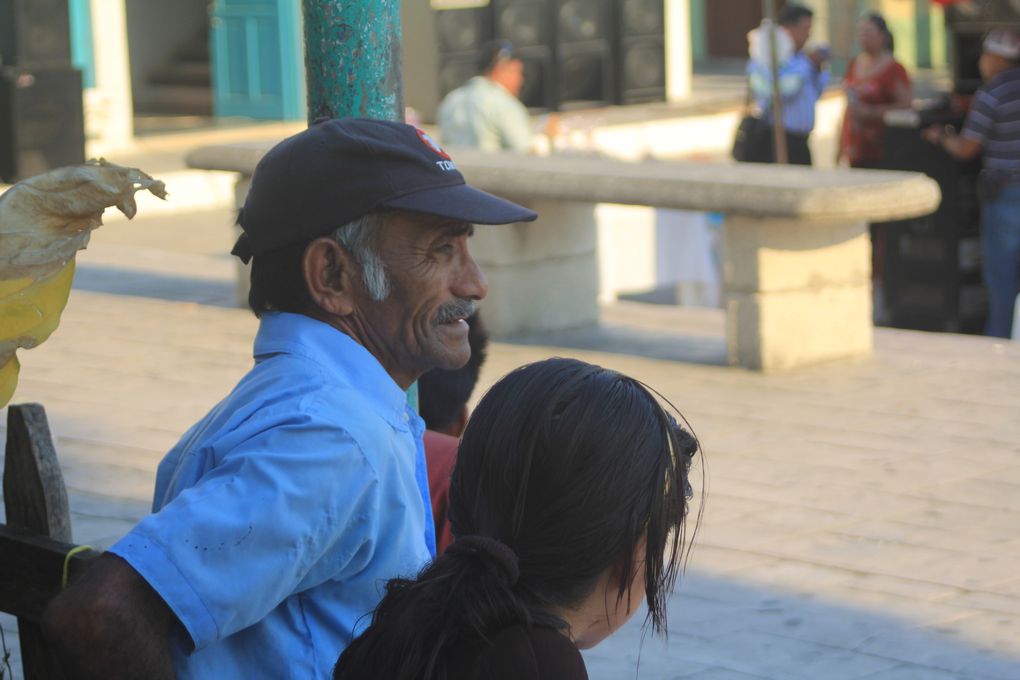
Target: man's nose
{"points": [[471, 282]]}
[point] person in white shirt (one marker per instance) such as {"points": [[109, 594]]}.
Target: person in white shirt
{"points": [[485, 113]]}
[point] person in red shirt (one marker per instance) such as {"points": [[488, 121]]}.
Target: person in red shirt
{"points": [[443, 396], [875, 83]]}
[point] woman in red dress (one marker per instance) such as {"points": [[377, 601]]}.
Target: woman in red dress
{"points": [[875, 83]]}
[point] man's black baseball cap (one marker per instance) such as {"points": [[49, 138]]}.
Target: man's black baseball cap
{"points": [[341, 169]]}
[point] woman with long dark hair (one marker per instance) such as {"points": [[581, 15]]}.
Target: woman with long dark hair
{"points": [[568, 504]]}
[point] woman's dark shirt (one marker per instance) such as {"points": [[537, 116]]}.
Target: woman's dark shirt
{"points": [[523, 653]]}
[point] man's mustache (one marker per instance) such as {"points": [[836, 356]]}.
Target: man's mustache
{"points": [[451, 311]]}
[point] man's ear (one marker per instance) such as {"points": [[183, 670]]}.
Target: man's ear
{"points": [[329, 276]]}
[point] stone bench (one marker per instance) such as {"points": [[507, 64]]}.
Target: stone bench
{"points": [[797, 256]]}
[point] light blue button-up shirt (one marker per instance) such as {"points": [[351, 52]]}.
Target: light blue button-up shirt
{"points": [[801, 84], [482, 114], [279, 517]]}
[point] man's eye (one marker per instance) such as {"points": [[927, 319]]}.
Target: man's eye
{"points": [[446, 248]]}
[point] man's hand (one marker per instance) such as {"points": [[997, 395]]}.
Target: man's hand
{"points": [[934, 134], [961, 148], [819, 56], [111, 624]]}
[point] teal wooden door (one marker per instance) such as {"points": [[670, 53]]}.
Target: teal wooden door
{"points": [[258, 61], [82, 56]]}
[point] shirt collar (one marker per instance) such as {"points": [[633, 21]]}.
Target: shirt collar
{"points": [[335, 351]]}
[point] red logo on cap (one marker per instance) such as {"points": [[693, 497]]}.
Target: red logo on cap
{"points": [[432, 144]]}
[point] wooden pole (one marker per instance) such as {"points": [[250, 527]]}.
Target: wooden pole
{"points": [[353, 59], [778, 129]]}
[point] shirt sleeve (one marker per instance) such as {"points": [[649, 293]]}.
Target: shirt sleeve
{"points": [[283, 511], [981, 118]]}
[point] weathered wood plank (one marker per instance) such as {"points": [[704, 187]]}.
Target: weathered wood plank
{"points": [[35, 499], [31, 569], [34, 493]]}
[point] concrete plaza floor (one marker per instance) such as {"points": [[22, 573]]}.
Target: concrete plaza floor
{"points": [[861, 519]]}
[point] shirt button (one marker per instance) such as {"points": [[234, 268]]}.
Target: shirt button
{"points": [[407, 418]]}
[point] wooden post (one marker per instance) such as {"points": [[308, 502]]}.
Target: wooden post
{"points": [[35, 500], [353, 59], [778, 127]]}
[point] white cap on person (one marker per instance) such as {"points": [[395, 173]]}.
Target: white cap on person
{"points": [[1004, 43]]}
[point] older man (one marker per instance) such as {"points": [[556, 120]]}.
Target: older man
{"points": [[992, 131], [278, 517]]}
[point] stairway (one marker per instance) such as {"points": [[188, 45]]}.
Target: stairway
{"points": [[182, 86]]}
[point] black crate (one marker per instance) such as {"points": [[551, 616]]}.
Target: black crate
{"points": [[931, 276]]}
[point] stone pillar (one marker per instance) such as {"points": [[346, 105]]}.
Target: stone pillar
{"points": [[678, 49], [109, 112], [797, 293], [542, 275]]}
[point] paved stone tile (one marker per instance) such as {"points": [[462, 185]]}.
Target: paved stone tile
{"points": [[717, 673], [991, 493], [902, 586], [761, 653], [916, 672], [994, 602], [944, 652]]}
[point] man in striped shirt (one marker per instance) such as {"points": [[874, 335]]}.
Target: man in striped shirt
{"points": [[802, 79], [992, 129]]}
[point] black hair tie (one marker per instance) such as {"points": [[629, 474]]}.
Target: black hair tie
{"points": [[496, 551]]}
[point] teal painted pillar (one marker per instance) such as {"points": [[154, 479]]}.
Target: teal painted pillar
{"points": [[353, 66], [699, 42], [82, 56], [353, 59], [922, 13]]}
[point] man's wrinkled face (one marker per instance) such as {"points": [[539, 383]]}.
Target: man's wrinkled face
{"points": [[434, 283]]}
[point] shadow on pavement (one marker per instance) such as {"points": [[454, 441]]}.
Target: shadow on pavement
{"points": [[722, 629], [163, 286], [620, 339]]}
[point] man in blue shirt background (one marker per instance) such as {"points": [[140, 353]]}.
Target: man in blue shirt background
{"points": [[802, 79], [279, 516]]}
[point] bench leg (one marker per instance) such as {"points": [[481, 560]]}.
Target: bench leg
{"points": [[797, 292]]}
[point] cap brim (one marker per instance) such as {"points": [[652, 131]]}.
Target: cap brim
{"points": [[462, 202]]}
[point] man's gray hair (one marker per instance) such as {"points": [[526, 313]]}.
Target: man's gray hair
{"points": [[359, 238]]}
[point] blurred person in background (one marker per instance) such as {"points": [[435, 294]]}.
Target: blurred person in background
{"points": [[802, 78], [485, 113], [992, 130], [874, 84]]}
